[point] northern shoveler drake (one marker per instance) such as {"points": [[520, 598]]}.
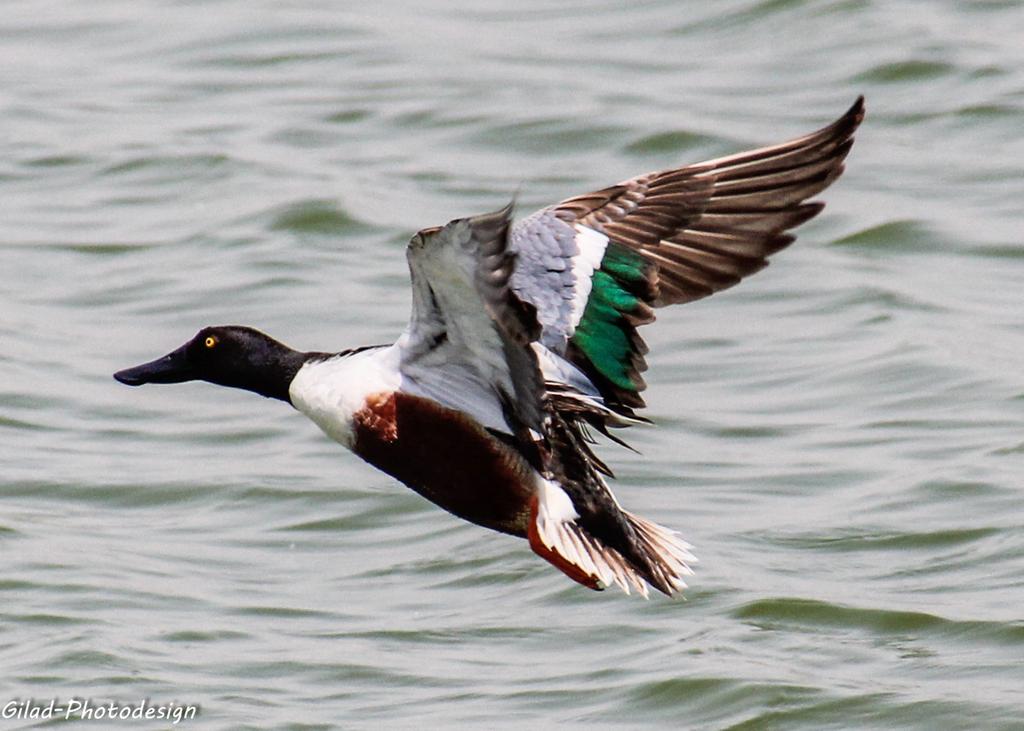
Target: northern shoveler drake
{"points": [[523, 340]]}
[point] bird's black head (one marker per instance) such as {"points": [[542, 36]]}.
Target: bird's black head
{"points": [[228, 355]]}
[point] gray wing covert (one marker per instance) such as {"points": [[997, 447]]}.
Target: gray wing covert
{"points": [[467, 327], [551, 274]]}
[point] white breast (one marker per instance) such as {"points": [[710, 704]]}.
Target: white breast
{"points": [[331, 391]]}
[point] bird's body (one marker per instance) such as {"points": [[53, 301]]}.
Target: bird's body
{"points": [[361, 402], [523, 338]]}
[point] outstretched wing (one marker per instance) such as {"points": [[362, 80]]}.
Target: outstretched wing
{"points": [[595, 265], [467, 345]]}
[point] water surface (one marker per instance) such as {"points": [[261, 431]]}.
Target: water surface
{"points": [[840, 437]]}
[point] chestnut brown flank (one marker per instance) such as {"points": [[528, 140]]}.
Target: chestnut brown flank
{"points": [[447, 458]]}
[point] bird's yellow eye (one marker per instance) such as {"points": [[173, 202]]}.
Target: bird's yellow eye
{"points": [[210, 341]]}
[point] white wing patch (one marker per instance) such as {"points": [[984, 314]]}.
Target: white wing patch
{"points": [[592, 245], [555, 261]]}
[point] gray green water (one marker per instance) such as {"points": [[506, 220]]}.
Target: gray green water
{"points": [[840, 437]]}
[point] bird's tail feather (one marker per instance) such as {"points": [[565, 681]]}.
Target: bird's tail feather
{"points": [[556, 537]]}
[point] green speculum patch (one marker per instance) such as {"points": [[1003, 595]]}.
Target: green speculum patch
{"points": [[603, 333]]}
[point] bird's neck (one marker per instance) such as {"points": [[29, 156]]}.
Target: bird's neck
{"points": [[270, 372]]}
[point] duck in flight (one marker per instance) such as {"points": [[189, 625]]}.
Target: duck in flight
{"points": [[523, 342]]}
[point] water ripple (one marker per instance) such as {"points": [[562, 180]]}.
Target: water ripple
{"points": [[839, 436]]}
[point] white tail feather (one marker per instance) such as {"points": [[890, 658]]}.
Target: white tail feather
{"points": [[558, 531]]}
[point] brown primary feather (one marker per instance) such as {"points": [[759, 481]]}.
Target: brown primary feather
{"points": [[708, 225]]}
